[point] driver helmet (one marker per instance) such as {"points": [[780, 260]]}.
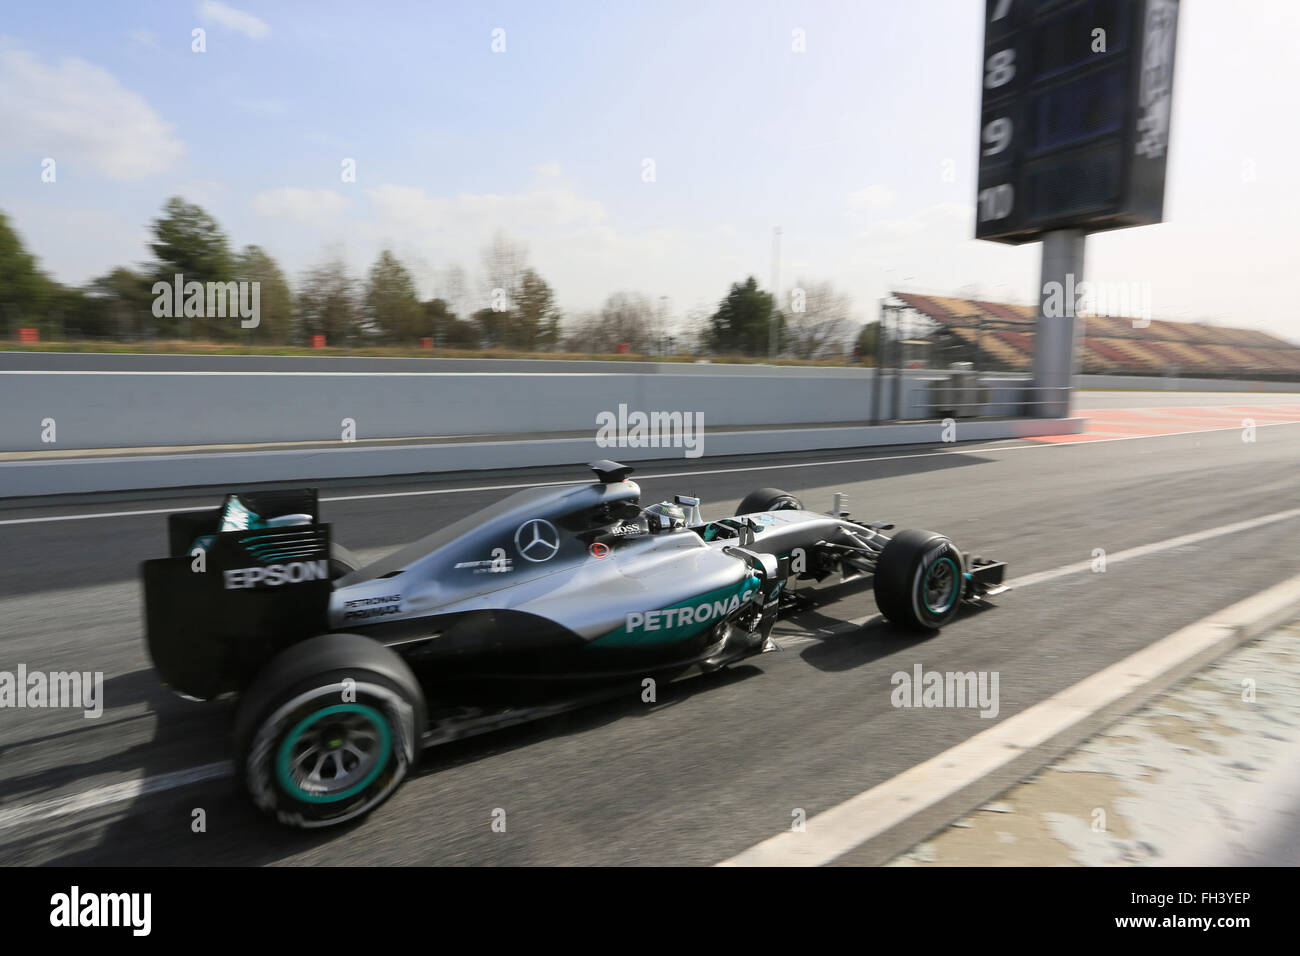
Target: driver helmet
{"points": [[665, 516]]}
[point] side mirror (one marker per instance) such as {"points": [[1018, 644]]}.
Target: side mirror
{"points": [[692, 506]]}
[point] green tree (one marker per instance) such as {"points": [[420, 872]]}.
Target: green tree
{"points": [[188, 242], [742, 321], [492, 326], [25, 292], [536, 318], [392, 305], [865, 347], [447, 331], [275, 299], [118, 304]]}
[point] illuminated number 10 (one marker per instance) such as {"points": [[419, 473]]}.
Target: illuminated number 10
{"points": [[995, 202]]}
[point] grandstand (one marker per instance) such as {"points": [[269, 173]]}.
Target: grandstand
{"points": [[1000, 336]]}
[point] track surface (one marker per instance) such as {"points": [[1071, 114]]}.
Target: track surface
{"points": [[719, 763], [1183, 414]]}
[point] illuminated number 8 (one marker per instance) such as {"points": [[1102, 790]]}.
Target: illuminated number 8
{"points": [[1001, 67]]}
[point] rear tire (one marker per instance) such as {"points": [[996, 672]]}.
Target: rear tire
{"points": [[328, 731], [918, 580], [768, 499]]}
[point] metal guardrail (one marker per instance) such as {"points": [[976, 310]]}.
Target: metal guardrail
{"points": [[937, 396], [1029, 400]]}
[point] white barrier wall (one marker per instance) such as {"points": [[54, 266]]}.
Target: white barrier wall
{"points": [[126, 409], [128, 401]]}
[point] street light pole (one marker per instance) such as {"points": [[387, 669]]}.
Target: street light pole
{"points": [[776, 293], [663, 323]]}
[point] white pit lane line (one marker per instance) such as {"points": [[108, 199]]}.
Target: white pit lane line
{"points": [[107, 795], [130, 790], [782, 466]]}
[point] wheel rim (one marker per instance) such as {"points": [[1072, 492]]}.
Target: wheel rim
{"points": [[940, 588], [334, 753]]}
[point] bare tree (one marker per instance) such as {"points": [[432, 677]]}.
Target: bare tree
{"points": [[504, 261], [817, 319], [626, 318], [328, 302], [453, 289]]}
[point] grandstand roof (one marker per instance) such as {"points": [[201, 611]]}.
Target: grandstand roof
{"points": [[1110, 342]]}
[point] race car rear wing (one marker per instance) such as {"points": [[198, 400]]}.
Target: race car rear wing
{"points": [[224, 601]]}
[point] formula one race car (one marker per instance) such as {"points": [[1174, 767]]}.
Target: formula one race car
{"points": [[553, 598]]}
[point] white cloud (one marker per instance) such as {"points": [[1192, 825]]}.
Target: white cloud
{"points": [[310, 207], [874, 196], [548, 204], [568, 238], [239, 20], [77, 113]]}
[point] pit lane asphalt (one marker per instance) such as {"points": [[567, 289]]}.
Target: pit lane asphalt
{"points": [[719, 763]]}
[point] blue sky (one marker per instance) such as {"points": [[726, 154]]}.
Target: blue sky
{"points": [[862, 148]]}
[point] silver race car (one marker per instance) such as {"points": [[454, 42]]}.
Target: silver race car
{"points": [[553, 598]]}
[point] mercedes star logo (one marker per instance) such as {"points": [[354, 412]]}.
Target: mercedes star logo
{"points": [[537, 540]]}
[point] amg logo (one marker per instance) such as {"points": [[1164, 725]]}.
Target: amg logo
{"points": [[273, 575], [681, 616]]}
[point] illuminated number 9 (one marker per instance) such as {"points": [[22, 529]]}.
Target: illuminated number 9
{"points": [[997, 136], [1001, 67]]}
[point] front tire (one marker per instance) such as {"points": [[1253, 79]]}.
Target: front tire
{"points": [[328, 731], [918, 580], [768, 499]]}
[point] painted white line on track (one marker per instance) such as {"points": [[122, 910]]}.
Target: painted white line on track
{"points": [[837, 831], [1078, 567], [115, 793], [1143, 550], [978, 450], [527, 484]]}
